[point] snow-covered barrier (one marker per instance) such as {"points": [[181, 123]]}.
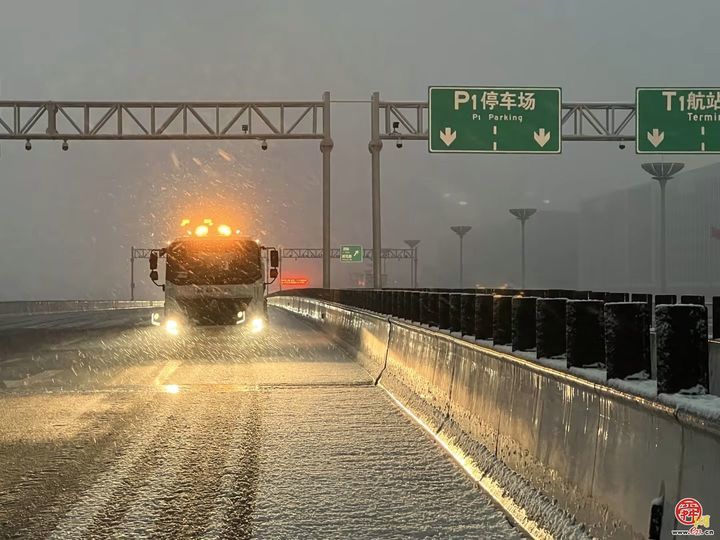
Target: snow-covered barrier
{"points": [[562, 447], [74, 315], [367, 335], [71, 306]]}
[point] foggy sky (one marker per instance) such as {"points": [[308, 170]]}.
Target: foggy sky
{"points": [[68, 219]]}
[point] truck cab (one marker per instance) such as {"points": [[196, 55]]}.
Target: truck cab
{"points": [[215, 280]]}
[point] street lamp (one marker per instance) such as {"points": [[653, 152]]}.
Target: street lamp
{"points": [[461, 230], [523, 214], [662, 172], [412, 244]]}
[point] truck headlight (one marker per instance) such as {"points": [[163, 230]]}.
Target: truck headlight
{"points": [[257, 324], [172, 327]]}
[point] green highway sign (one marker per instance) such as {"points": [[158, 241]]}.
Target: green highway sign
{"points": [[677, 120], [351, 254], [494, 120]]}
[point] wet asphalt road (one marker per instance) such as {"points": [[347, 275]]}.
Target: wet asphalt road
{"points": [[217, 433]]}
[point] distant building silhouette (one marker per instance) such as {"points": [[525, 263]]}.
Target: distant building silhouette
{"points": [[618, 236]]}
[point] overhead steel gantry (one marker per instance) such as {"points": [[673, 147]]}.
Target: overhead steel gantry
{"points": [[177, 120], [407, 121], [317, 253]]}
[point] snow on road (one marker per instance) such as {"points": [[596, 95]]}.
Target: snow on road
{"points": [[224, 435]]}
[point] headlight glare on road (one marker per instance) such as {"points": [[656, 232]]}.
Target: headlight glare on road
{"points": [[257, 324], [172, 327], [171, 388]]}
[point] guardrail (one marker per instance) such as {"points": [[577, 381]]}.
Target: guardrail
{"points": [[60, 306], [554, 443]]}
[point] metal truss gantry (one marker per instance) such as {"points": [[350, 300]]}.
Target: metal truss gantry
{"points": [[317, 253], [407, 121], [160, 120], [144, 253], [177, 120]]}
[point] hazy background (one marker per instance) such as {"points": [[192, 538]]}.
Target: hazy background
{"points": [[68, 219]]}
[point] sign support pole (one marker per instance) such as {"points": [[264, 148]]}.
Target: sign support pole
{"points": [[375, 146], [522, 251], [415, 267], [132, 273], [326, 147], [280, 265]]}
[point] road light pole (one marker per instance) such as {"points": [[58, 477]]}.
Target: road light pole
{"points": [[662, 172], [412, 244], [523, 214], [461, 230]]}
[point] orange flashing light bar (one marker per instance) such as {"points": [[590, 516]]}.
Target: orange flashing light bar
{"points": [[204, 229]]}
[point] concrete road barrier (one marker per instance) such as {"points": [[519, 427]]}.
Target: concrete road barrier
{"points": [[68, 306], [83, 319], [368, 334]]}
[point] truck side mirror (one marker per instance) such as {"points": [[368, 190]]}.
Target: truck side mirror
{"points": [[154, 275], [274, 258], [153, 261], [273, 273]]}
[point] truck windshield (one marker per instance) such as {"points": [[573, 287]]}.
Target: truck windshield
{"points": [[213, 261]]}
